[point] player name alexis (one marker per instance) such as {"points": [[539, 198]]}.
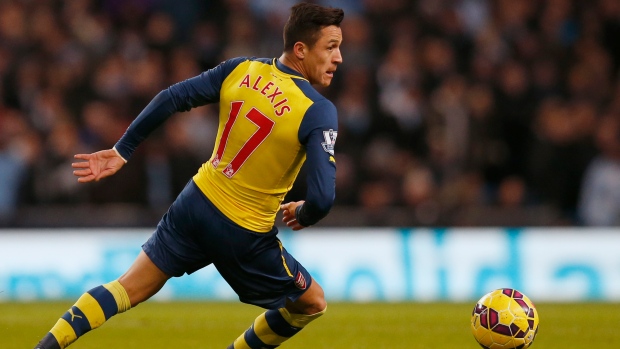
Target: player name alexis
{"points": [[279, 105]]}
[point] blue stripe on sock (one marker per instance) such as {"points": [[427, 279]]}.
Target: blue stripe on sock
{"points": [[278, 324], [254, 342], [106, 301], [77, 320]]}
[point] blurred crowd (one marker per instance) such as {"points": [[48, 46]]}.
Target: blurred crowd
{"points": [[443, 104]]}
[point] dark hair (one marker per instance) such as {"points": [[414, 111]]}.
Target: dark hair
{"points": [[306, 20]]}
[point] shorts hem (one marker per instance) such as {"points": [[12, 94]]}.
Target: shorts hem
{"points": [[158, 263]]}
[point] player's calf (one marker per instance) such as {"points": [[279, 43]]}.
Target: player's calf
{"points": [[90, 311], [272, 328]]}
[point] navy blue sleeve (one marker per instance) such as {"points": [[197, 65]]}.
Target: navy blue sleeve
{"points": [[183, 96], [318, 132]]}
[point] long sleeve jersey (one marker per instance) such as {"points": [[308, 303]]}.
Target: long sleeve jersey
{"points": [[271, 121]]}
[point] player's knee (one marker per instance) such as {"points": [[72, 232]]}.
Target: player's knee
{"points": [[311, 302], [314, 308], [316, 315], [319, 306], [322, 311], [316, 302]]}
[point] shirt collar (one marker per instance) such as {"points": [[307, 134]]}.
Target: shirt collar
{"points": [[286, 69]]}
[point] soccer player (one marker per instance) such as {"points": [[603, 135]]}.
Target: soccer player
{"points": [[271, 121]]}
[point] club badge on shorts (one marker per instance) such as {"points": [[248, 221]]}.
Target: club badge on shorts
{"points": [[300, 281]]}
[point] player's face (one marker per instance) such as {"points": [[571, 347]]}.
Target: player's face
{"points": [[323, 58]]}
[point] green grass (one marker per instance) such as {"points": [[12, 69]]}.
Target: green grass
{"points": [[209, 325]]}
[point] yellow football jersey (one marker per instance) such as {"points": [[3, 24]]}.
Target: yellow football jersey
{"points": [[271, 121], [258, 152]]}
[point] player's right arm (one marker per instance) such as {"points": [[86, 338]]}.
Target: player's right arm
{"points": [[183, 96], [97, 165]]}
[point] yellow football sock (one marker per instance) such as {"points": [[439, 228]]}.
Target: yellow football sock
{"points": [[272, 328], [90, 311]]}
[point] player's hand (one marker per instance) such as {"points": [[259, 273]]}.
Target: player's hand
{"points": [[97, 165], [288, 215]]}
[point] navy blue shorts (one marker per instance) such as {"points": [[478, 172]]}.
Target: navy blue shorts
{"points": [[194, 234]]}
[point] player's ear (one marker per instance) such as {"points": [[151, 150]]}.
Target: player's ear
{"points": [[299, 49]]}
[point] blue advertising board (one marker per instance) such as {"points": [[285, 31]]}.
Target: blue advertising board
{"points": [[385, 264]]}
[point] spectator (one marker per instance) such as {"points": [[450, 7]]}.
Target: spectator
{"points": [[19, 148], [599, 201]]}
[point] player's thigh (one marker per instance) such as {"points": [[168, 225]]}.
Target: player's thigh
{"points": [[258, 267], [174, 247]]}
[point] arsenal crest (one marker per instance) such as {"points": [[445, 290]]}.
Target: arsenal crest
{"points": [[300, 281]]}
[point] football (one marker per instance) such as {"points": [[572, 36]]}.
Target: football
{"points": [[504, 319]]}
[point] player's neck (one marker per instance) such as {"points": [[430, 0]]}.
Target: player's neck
{"points": [[293, 63]]}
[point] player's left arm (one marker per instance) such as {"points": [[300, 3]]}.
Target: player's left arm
{"points": [[318, 132]]}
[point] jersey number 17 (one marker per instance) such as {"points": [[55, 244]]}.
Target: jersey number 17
{"points": [[264, 124]]}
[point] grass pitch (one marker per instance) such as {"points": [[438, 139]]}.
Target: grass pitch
{"points": [[207, 325]]}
